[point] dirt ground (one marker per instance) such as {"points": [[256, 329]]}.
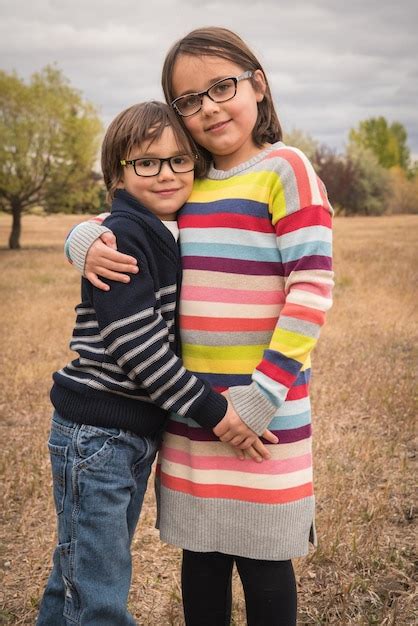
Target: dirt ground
{"points": [[364, 404]]}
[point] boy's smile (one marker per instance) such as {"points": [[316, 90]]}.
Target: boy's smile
{"points": [[165, 193]]}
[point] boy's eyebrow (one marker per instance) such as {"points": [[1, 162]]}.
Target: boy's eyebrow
{"points": [[153, 155]]}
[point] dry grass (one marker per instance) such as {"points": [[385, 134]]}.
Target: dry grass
{"points": [[362, 572]]}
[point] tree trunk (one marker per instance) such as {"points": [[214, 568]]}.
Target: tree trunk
{"points": [[14, 239]]}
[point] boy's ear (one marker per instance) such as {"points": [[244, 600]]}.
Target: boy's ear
{"points": [[260, 85]]}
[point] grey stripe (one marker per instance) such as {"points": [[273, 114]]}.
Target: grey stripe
{"points": [[76, 346], [82, 311], [134, 334], [90, 324], [128, 384], [137, 350], [127, 320], [299, 326], [89, 339], [274, 532], [143, 366], [107, 366], [204, 338], [169, 403], [169, 289]]}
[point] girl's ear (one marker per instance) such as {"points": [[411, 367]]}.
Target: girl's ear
{"points": [[259, 84]]}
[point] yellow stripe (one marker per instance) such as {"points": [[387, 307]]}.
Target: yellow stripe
{"points": [[292, 344], [211, 366], [255, 186], [226, 353]]}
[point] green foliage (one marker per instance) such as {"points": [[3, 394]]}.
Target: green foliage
{"points": [[303, 141], [369, 192], [48, 145], [388, 143]]}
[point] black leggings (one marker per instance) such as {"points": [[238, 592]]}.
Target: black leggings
{"points": [[269, 589]]}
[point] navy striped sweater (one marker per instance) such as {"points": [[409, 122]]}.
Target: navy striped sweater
{"points": [[128, 373]]}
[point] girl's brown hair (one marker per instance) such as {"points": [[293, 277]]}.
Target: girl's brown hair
{"points": [[141, 123], [221, 42]]}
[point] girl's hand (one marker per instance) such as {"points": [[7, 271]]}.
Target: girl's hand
{"points": [[104, 260], [232, 430], [257, 451]]}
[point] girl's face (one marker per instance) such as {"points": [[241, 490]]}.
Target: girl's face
{"points": [[224, 129], [165, 193]]}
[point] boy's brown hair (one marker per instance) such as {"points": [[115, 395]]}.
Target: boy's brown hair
{"points": [[139, 124], [221, 42]]}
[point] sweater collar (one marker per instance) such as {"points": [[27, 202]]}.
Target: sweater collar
{"points": [[126, 202]]}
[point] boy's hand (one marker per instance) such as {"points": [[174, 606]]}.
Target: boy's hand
{"points": [[104, 260]]}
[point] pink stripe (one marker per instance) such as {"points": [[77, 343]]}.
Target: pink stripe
{"points": [[317, 288], [240, 296], [223, 463]]}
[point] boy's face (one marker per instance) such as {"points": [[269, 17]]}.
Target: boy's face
{"points": [[165, 193]]}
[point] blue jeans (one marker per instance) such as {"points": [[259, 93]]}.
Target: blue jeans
{"points": [[99, 480]]}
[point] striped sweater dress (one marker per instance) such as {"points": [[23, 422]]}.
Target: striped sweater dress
{"points": [[257, 279]]}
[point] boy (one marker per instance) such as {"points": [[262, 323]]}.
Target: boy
{"points": [[112, 401]]}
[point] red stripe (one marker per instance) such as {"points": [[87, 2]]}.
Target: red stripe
{"points": [[298, 392], [233, 492], [276, 373], [227, 220], [194, 322], [309, 216], [303, 313]]}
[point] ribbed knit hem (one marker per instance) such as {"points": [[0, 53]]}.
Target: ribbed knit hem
{"points": [[109, 411], [79, 245], [275, 532], [210, 410], [253, 408]]}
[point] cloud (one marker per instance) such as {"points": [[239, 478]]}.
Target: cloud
{"points": [[330, 63]]}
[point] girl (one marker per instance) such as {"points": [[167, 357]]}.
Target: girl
{"points": [[255, 241]]}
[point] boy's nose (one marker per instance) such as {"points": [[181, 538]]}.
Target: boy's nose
{"points": [[166, 172]]}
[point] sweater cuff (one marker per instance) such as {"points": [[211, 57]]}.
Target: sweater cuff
{"points": [[211, 410], [80, 241], [252, 406]]}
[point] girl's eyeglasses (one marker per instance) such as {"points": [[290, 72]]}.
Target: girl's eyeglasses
{"points": [[179, 164], [221, 91]]}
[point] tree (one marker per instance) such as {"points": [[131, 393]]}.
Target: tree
{"points": [[388, 143], [299, 139], [370, 190], [48, 145]]}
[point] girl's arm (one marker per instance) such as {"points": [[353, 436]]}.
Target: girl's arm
{"points": [[302, 221], [92, 249]]}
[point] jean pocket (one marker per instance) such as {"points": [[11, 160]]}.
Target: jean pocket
{"points": [[94, 444], [58, 455]]}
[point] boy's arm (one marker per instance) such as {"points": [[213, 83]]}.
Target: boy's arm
{"points": [[136, 335]]}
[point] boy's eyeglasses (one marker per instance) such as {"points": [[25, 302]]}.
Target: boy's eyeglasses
{"points": [[221, 91], [179, 164]]}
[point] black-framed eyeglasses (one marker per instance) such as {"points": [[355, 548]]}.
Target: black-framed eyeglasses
{"points": [[179, 164], [221, 91]]}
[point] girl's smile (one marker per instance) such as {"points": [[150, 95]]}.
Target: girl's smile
{"points": [[223, 128]]}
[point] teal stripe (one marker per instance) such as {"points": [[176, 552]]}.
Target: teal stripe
{"points": [[314, 248], [245, 253], [287, 422]]}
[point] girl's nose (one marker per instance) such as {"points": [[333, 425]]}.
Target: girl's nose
{"points": [[209, 106]]}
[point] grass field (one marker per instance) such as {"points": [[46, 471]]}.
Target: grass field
{"points": [[363, 402]]}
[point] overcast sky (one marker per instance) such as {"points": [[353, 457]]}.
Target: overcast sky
{"points": [[330, 63]]}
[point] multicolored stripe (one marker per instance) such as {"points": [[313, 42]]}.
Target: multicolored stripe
{"points": [[257, 278]]}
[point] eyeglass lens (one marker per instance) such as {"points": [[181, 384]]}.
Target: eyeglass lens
{"points": [[219, 92], [151, 167]]}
